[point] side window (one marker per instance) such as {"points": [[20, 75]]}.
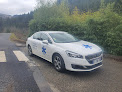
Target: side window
{"points": [[36, 36], [45, 37]]}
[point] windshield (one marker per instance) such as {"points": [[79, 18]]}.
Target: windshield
{"points": [[63, 38]]}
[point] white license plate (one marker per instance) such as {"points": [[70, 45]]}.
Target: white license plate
{"points": [[97, 60]]}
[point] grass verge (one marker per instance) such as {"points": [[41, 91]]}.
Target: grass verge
{"points": [[13, 37]]}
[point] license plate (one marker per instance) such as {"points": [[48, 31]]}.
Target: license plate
{"points": [[97, 60]]}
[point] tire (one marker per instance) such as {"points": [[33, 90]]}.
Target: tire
{"points": [[30, 53], [58, 63]]}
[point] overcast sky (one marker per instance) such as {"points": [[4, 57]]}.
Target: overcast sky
{"points": [[13, 7]]}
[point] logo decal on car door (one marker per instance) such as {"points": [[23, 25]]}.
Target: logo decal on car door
{"points": [[43, 50]]}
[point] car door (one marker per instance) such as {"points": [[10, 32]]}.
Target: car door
{"points": [[45, 50], [34, 43]]}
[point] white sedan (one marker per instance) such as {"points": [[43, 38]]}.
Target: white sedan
{"points": [[65, 51]]}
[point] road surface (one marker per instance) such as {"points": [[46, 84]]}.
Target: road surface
{"points": [[15, 73]]}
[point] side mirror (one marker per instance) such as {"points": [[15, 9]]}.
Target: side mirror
{"points": [[45, 41]]}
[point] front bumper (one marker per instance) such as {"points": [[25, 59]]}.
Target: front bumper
{"points": [[75, 64], [86, 67]]}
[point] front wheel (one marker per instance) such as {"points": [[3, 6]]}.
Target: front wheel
{"points": [[58, 63]]}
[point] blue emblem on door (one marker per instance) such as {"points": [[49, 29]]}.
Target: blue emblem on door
{"points": [[87, 46], [43, 50]]}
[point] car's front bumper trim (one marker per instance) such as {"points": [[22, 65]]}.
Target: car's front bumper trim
{"points": [[86, 67]]}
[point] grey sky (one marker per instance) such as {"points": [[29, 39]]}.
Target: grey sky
{"points": [[13, 7]]}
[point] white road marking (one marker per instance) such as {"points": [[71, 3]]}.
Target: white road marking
{"points": [[2, 56], [20, 56]]}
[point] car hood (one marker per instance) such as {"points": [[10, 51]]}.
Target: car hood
{"points": [[81, 47]]}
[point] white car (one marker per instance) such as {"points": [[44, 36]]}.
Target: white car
{"points": [[65, 51]]}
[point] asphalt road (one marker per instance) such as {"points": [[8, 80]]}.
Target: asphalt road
{"points": [[15, 73], [108, 78]]}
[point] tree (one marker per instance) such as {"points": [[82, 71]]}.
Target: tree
{"points": [[1, 24]]}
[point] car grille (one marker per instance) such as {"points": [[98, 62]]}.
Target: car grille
{"points": [[89, 57]]}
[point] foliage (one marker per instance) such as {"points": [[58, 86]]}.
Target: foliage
{"points": [[13, 37], [1, 24], [18, 21], [17, 24], [103, 27], [93, 5]]}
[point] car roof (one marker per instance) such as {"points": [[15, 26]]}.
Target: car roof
{"points": [[52, 31]]}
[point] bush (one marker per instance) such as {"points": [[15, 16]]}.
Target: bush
{"points": [[102, 27]]}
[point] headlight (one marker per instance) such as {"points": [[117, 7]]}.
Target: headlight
{"points": [[74, 55]]}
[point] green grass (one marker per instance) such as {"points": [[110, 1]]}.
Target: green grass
{"points": [[13, 37]]}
